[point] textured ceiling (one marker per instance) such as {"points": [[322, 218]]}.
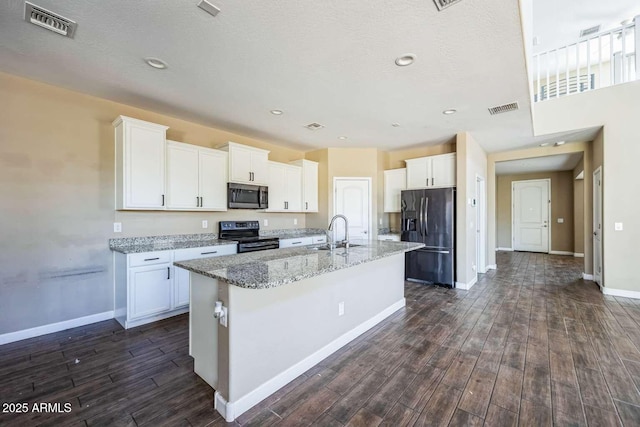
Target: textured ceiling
{"points": [[559, 162], [330, 62]]}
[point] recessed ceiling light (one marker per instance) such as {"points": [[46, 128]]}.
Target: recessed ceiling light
{"points": [[276, 112], [156, 63], [559, 143], [544, 144], [395, 125], [406, 59], [449, 112], [342, 137]]}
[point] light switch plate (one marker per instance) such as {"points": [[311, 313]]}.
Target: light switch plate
{"points": [[560, 220], [117, 227], [295, 221], [265, 222], [618, 226], [205, 223]]}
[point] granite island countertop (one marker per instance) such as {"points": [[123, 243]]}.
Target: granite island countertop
{"points": [[268, 269]]}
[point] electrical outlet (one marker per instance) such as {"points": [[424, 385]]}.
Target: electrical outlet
{"points": [[265, 222], [341, 308], [117, 227], [380, 221], [205, 223], [560, 220], [295, 221]]}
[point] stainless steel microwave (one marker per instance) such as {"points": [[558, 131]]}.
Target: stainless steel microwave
{"points": [[243, 196]]}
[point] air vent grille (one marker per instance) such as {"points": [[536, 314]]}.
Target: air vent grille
{"points": [[503, 108], [51, 21], [443, 4], [589, 31], [314, 126]]}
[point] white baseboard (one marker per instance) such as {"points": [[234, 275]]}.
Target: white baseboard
{"points": [[586, 276], [561, 253], [467, 286], [621, 293], [504, 249], [492, 267], [54, 327], [578, 255], [231, 410]]}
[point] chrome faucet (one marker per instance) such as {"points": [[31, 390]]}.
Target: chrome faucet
{"points": [[346, 229]]}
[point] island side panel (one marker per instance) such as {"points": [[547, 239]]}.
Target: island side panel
{"points": [[203, 327], [276, 332]]}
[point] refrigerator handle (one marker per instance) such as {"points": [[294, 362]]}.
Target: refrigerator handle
{"points": [[426, 217], [420, 217]]}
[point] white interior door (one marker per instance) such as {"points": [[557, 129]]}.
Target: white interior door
{"points": [[353, 200], [597, 226], [480, 226], [531, 215]]}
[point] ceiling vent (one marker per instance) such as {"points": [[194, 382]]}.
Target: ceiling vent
{"points": [[503, 108], [314, 126], [51, 21], [443, 4], [589, 31], [208, 7]]}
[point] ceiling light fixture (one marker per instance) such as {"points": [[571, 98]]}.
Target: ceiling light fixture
{"points": [[276, 112], [156, 63], [449, 112], [342, 137], [559, 143], [406, 59]]}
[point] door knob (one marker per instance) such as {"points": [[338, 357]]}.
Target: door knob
{"points": [[545, 226]]}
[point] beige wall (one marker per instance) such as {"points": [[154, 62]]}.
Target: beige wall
{"points": [[617, 109], [57, 181], [471, 162], [575, 147], [562, 235]]}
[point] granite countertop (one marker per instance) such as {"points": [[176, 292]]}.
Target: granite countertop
{"points": [[132, 245], [268, 269], [293, 235]]}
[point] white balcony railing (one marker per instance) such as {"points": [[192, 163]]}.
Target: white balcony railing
{"points": [[599, 60]]}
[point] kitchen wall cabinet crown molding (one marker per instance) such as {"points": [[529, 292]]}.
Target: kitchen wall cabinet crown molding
{"points": [[247, 165], [309, 184], [196, 178], [395, 180], [432, 171], [285, 187], [139, 164]]}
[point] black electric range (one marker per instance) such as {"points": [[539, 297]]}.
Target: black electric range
{"points": [[247, 234]]}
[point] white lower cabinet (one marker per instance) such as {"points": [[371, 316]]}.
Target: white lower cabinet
{"points": [[389, 237], [302, 241], [148, 287]]}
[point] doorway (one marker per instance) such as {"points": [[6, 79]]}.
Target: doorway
{"points": [[481, 212], [352, 198], [530, 215], [597, 226]]}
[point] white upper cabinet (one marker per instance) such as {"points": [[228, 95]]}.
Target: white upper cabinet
{"points": [[140, 164], [285, 187], [432, 172], [309, 184], [395, 181], [196, 178], [247, 165]]}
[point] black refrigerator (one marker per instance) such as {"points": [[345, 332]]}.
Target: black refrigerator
{"points": [[429, 217]]}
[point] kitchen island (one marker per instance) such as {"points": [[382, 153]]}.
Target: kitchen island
{"points": [[284, 311]]}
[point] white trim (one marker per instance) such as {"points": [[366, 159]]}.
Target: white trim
{"points": [[467, 286], [492, 267], [561, 253], [621, 293], [231, 410], [481, 224], [599, 279], [54, 327], [586, 276], [504, 249], [578, 255]]}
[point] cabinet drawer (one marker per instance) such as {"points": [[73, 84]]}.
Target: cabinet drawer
{"points": [[300, 241], [319, 239], [204, 252], [389, 237], [149, 258]]}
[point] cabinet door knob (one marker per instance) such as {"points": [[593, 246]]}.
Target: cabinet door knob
{"points": [[168, 273]]}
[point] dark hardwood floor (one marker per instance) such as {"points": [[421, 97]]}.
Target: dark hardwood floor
{"points": [[530, 344]]}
